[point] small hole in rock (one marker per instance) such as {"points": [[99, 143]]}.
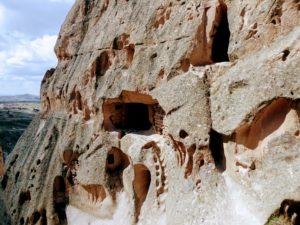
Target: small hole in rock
{"points": [[43, 213], [110, 159], [285, 54], [17, 176], [35, 217], [116, 45], [101, 65], [201, 163], [121, 134], [116, 160], [14, 160], [4, 182], [252, 166], [24, 196], [183, 134], [153, 56]]}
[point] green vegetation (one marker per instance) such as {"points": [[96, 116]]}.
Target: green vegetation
{"points": [[12, 125], [278, 220], [273, 219]]}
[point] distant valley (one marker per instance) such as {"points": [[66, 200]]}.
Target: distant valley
{"points": [[16, 112], [20, 98]]}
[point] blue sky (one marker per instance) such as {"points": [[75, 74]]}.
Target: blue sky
{"points": [[28, 32]]}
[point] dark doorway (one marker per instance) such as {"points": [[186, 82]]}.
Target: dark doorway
{"points": [[133, 116], [217, 150], [60, 199], [221, 39]]}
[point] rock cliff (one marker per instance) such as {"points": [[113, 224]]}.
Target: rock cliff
{"points": [[1, 162], [165, 112]]}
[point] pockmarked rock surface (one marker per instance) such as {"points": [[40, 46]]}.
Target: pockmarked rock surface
{"points": [[165, 112]]}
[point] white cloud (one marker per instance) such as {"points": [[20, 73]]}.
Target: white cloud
{"points": [[26, 52], [40, 49], [44, 47], [25, 62], [26, 42], [18, 56]]}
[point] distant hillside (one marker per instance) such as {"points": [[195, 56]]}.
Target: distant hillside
{"points": [[15, 115], [20, 98], [12, 125]]}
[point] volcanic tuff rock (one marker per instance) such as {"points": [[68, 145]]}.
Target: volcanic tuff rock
{"points": [[165, 112], [1, 162]]}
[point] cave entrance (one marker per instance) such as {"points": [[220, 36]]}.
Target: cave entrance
{"points": [[60, 199], [221, 37], [217, 150], [133, 111], [132, 116]]}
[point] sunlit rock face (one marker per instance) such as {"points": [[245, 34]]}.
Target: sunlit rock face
{"points": [[165, 112]]}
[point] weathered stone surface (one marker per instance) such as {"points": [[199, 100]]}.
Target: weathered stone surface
{"points": [[1, 162], [254, 81], [165, 112]]}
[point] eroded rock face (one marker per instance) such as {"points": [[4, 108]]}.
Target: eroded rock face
{"points": [[165, 112], [1, 162]]}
